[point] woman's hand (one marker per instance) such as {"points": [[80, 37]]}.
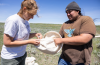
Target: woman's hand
{"points": [[34, 41], [39, 35]]}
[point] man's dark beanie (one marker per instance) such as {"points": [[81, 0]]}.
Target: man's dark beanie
{"points": [[73, 6]]}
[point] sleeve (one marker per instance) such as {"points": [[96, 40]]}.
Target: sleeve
{"points": [[29, 27], [11, 28], [88, 26]]}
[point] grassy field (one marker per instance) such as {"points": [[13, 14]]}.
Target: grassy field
{"points": [[46, 59]]}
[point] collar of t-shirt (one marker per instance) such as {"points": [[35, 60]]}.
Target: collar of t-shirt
{"points": [[24, 21]]}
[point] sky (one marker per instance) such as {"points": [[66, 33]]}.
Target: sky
{"points": [[51, 11]]}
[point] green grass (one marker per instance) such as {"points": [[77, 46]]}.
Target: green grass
{"points": [[1, 34], [42, 58], [95, 59], [46, 59]]}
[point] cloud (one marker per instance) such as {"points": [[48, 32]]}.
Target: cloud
{"points": [[2, 4], [93, 13], [97, 23], [53, 15]]}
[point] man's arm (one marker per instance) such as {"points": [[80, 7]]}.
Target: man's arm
{"points": [[76, 40]]}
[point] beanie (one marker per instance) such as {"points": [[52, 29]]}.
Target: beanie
{"points": [[73, 6]]}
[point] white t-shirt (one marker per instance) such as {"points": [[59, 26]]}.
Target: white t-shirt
{"points": [[19, 29]]}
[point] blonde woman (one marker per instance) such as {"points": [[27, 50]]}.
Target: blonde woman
{"points": [[17, 33]]}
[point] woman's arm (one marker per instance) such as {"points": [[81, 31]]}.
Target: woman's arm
{"points": [[8, 41], [38, 35]]}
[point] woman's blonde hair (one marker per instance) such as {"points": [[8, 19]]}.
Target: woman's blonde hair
{"points": [[30, 5]]}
